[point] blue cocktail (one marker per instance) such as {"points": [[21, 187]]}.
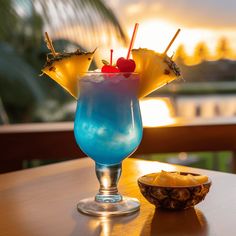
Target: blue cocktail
{"points": [[108, 128]]}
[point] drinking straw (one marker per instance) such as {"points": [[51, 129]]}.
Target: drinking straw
{"points": [[132, 40]]}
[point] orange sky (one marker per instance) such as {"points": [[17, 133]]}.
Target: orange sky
{"points": [[200, 21], [206, 21]]}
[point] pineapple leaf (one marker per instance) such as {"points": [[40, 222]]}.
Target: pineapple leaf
{"points": [[105, 62]]}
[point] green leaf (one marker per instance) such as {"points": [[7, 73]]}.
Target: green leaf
{"points": [[105, 62]]}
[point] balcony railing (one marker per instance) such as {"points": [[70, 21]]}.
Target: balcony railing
{"points": [[55, 141]]}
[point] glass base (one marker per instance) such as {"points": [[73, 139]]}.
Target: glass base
{"points": [[91, 207]]}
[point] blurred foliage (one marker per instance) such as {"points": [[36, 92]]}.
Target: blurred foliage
{"points": [[222, 51], [201, 52], [219, 161], [24, 96]]}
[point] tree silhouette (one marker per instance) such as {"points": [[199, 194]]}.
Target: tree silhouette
{"points": [[180, 54], [201, 52], [223, 48]]}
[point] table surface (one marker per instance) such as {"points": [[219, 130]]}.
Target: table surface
{"points": [[42, 202]]}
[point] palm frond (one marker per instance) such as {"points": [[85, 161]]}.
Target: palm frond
{"points": [[86, 22], [83, 22], [18, 80]]}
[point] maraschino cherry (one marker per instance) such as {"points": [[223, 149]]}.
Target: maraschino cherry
{"points": [[128, 65], [109, 68]]}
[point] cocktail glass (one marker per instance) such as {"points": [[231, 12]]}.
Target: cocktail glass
{"points": [[108, 128]]}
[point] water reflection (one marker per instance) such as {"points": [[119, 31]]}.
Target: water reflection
{"points": [[101, 226], [107, 225], [157, 112], [187, 222]]}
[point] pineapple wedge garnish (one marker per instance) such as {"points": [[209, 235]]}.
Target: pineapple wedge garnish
{"points": [[155, 70], [65, 68]]}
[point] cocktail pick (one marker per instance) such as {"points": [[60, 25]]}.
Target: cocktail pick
{"points": [[108, 67], [111, 54], [172, 41], [49, 44]]}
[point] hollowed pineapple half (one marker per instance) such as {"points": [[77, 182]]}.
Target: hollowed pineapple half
{"points": [[64, 68], [155, 70]]}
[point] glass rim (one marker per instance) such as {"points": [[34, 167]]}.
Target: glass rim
{"points": [[107, 73]]}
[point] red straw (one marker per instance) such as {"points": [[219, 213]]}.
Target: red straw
{"points": [[132, 40], [111, 57]]}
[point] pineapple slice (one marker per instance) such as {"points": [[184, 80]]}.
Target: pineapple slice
{"points": [[173, 179], [64, 68], [155, 70], [201, 179]]}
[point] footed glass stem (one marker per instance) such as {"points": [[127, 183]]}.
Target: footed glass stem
{"points": [[108, 177], [108, 201]]}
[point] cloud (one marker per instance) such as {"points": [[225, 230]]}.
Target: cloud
{"points": [[190, 13]]}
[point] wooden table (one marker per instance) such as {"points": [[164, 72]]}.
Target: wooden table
{"points": [[42, 202]]}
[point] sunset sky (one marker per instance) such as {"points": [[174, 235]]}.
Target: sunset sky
{"points": [[203, 20]]}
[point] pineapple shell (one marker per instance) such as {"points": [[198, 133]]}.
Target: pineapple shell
{"points": [[155, 70], [174, 198], [66, 67]]}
